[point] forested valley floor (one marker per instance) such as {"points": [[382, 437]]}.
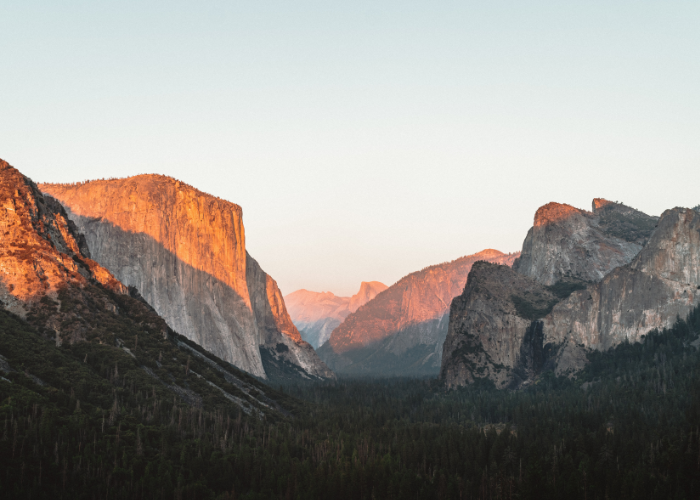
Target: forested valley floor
{"points": [[627, 427]]}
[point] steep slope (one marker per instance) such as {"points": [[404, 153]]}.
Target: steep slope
{"points": [[510, 336], [93, 372], [493, 330], [660, 285], [317, 314], [568, 242], [185, 252], [401, 331], [41, 250], [66, 309]]}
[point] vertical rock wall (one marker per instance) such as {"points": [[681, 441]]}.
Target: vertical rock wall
{"points": [[185, 252], [551, 308]]}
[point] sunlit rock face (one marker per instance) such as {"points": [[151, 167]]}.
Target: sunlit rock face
{"points": [[508, 328], [401, 330], [42, 255], [184, 251], [317, 314], [566, 242]]}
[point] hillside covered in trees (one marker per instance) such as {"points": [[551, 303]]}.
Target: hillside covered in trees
{"points": [[77, 424]]}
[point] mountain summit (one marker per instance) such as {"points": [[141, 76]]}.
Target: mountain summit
{"points": [[565, 241]]}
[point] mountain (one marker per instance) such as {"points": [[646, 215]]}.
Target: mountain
{"points": [[401, 330], [184, 251], [568, 242], [93, 378], [509, 327], [43, 257], [62, 309], [317, 314]]}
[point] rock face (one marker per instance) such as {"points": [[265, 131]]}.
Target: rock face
{"points": [[491, 328], [317, 314], [185, 252], [47, 278], [508, 328], [41, 259], [567, 242], [661, 284], [401, 331]]}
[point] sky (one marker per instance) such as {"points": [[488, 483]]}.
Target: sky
{"points": [[368, 139]]}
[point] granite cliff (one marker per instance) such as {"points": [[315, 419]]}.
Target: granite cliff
{"points": [[401, 330], [184, 251], [661, 284], [488, 326], [317, 314], [508, 327], [568, 242]]}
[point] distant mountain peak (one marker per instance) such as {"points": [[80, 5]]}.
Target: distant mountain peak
{"points": [[317, 314], [599, 203]]}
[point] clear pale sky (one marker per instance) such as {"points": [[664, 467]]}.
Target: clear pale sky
{"points": [[365, 139]]}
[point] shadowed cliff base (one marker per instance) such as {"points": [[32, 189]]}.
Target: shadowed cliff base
{"points": [[400, 354]]}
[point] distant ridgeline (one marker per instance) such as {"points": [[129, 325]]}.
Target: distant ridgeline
{"points": [[317, 314]]}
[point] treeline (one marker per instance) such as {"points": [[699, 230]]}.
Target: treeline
{"points": [[627, 427]]}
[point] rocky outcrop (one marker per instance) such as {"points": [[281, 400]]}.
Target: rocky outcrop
{"points": [[494, 329], [284, 353], [506, 329], [41, 259], [185, 252], [401, 331], [368, 291], [566, 242], [660, 285], [317, 314]]}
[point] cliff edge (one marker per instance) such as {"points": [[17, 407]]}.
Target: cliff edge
{"points": [[184, 251]]}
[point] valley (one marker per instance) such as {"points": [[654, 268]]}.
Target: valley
{"points": [[144, 353]]}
